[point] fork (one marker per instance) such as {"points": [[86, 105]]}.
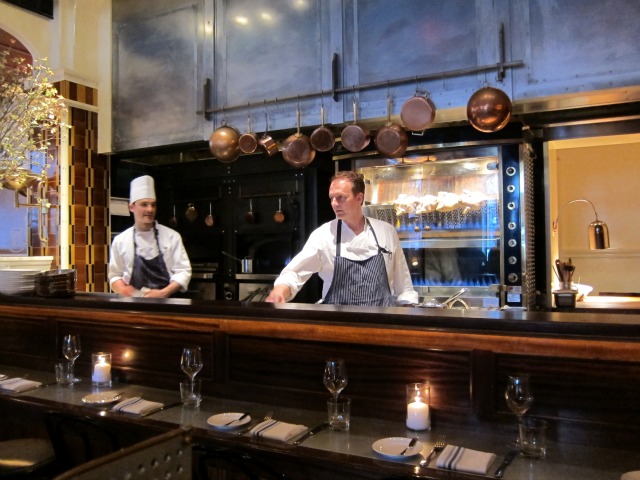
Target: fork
{"points": [[441, 442], [268, 416]]}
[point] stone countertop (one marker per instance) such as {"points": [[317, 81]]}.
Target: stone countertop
{"points": [[563, 461]]}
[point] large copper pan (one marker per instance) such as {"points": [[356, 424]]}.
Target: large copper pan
{"points": [[489, 109], [322, 138], [223, 143]]}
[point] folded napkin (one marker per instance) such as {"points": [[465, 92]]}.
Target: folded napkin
{"points": [[465, 460], [19, 384], [276, 430], [137, 406]]}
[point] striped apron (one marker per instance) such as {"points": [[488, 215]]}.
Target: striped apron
{"points": [[360, 282]]}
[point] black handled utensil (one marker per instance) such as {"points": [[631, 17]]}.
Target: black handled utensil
{"points": [[505, 463], [242, 417], [413, 441], [311, 432]]}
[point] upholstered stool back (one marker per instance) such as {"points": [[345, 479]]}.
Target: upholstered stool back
{"points": [[24, 457], [161, 457]]}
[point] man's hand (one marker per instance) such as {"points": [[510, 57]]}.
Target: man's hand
{"points": [[279, 294]]}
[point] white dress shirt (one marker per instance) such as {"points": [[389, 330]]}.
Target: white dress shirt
{"points": [[173, 252], [319, 253]]}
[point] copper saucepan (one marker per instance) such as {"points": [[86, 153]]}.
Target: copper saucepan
{"points": [[391, 140], [489, 109], [267, 144], [296, 149], [322, 138], [354, 137], [248, 141], [418, 112]]}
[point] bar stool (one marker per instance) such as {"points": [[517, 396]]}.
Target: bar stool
{"points": [[25, 458], [78, 439]]}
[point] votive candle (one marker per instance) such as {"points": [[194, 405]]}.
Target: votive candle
{"points": [[101, 368], [418, 411]]}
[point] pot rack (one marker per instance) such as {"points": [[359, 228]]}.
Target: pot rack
{"points": [[500, 67]]}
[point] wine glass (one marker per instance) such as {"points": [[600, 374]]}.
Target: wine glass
{"points": [[335, 376], [71, 349], [518, 395], [191, 361]]}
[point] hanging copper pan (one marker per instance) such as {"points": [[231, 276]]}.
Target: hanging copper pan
{"points": [[391, 140], [418, 113], [489, 110], [248, 141], [296, 149], [322, 138], [267, 144], [354, 137], [223, 143]]}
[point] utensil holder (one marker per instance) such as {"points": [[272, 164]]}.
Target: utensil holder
{"points": [[565, 298]]}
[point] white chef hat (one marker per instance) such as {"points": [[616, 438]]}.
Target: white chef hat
{"points": [[142, 187]]}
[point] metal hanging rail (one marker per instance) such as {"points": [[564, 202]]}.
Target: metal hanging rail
{"points": [[499, 67], [334, 92]]}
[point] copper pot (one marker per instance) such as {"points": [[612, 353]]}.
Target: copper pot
{"points": [[266, 143], [489, 109], [248, 142], [296, 149], [391, 140], [223, 143], [354, 137], [322, 138], [418, 113]]}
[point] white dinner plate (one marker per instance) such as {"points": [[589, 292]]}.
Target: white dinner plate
{"points": [[102, 397], [220, 420], [392, 446]]}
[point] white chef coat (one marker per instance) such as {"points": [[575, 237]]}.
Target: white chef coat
{"points": [[173, 252], [319, 253]]}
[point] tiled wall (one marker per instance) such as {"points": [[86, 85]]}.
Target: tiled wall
{"points": [[88, 194]]}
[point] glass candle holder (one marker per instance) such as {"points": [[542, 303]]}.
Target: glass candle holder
{"points": [[101, 369], [418, 413]]}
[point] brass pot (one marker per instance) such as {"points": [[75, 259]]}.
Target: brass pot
{"points": [[224, 144], [489, 109]]}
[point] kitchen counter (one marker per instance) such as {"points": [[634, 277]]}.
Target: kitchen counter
{"points": [[350, 449]]}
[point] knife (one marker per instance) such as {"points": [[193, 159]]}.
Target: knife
{"points": [[505, 463], [311, 432]]}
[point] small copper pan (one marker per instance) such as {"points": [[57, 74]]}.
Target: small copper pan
{"points": [[418, 113], [391, 140], [267, 144], [322, 138], [354, 137], [248, 141]]}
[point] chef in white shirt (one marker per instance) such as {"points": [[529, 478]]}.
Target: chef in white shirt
{"points": [[359, 259], [148, 259]]}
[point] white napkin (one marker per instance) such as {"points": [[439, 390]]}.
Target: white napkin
{"points": [[19, 384], [276, 430], [465, 460], [137, 406]]}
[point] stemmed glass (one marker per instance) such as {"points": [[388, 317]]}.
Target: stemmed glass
{"points": [[71, 349], [191, 361], [518, 395], [335, 376]]}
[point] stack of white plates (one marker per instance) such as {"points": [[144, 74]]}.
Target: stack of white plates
{"points": [[17, 282]]}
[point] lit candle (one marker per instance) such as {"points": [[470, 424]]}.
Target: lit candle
{"points": [[418, 416], [101, 371], [418, 412]]}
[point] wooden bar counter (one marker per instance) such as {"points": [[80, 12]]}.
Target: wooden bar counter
{"points": [[584, 365]]}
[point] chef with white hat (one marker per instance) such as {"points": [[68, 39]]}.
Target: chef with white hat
{"points": [[148, 259]]}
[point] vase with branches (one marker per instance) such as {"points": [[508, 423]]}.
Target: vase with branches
{"points": [[30, 116]]}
